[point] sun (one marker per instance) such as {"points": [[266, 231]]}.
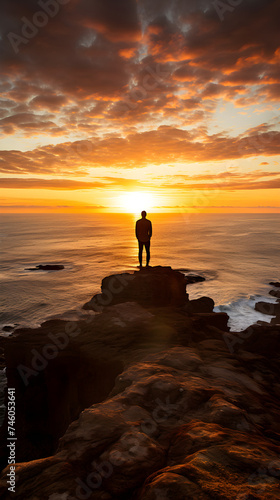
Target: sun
{"points": [[136, 201]]}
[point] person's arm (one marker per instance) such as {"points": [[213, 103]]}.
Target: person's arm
{"points": [[136, 230], [151, 230]]}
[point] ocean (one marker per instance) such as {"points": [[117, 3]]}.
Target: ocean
{"points": [[237, 253]]}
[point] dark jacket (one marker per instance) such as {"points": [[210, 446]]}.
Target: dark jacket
{"points": [[143, 230]]}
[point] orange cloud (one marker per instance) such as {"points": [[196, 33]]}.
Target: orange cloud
{"points": [[166, 144]]}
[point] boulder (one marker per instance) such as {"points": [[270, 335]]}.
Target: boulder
{"points": [[268, 308], [149, 287], [201, 305], [275, 293], [194, 278]]}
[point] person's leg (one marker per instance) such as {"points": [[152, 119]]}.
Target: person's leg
{"points": [[140, 244], [147, 246]]}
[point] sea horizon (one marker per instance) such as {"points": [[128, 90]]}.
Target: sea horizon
{"points": [[236, 253]]}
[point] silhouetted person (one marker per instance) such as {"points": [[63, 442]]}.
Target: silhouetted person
{"points": [[143, 231]]}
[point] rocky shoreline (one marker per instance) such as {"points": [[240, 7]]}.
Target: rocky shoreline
{"points": [[148, 398]]}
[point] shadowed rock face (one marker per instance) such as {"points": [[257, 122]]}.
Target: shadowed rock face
{"points": [[150, 287], [201, 305], [63, 367], [187, 421], [149, 404], [53, 385]]}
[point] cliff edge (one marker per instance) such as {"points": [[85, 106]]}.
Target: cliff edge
{"points": [[145, 399]]}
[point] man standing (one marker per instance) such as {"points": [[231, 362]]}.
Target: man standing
{"points": [[143, 230]]}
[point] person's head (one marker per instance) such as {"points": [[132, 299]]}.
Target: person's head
{"points": [[143, 213]]}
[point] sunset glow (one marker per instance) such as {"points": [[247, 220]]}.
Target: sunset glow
{"points": [[105, 103], [136, 201]]}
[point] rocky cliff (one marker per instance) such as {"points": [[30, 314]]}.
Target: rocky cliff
{"points": [[145, 401]]}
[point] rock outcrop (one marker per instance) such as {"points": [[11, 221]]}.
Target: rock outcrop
{"points": [[146, 403], [194, 278], [273, 309], [275, 293], [150, 287], [188, 422], [47, 267], [268, 308], [201, 305]]}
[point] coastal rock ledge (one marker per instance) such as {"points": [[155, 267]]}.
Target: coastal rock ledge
{"points": [[150, 287], [145, 403]]}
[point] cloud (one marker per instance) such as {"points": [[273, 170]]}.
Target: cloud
{"points": [[29, 123], [66, 184], [226, 180], [226, 186], [231, 206], [25, 206], [50, 101], [118, 21], [89, 65], [136, 150], [60, 184], [130, 84]]}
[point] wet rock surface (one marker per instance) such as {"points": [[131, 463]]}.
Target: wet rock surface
{"points": [[272, 309], [194, 278], [8, 328], [268, 308], [149, 403]]}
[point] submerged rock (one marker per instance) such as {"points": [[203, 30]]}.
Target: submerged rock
{"points": [[194, 278], [46, 267], [275, 293]]}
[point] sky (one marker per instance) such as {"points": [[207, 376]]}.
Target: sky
{"points": [[124, 105]]}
